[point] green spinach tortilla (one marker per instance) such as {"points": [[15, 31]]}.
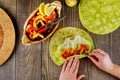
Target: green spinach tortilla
{"points": [[62, 38], [100, 16]]}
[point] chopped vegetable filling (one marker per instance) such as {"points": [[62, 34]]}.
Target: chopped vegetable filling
{"points": [[36, 26], [81, 49]]}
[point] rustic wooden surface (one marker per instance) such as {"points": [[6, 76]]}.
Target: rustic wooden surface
{"points": [[34, 63]]}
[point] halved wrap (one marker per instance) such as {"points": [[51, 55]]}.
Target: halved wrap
{"points": [[100, 16], [68, 38], [35, 30]]}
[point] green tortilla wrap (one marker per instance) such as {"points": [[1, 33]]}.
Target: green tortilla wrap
{"points": [[65, 37], [100, 16]]}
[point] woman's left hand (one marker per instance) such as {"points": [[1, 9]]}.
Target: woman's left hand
{"points": [[70, 70]]}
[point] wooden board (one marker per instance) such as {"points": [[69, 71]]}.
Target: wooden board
{"points": [[33, 62], [7, 36]]}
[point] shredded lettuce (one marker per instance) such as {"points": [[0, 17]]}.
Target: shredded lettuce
{"points": [[68, 43]]}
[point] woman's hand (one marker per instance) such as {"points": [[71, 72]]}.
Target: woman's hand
{"points": [[70, 70], [101, 59]]}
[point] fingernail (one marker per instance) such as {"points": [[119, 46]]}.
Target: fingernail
{"points": [[83, 76]]}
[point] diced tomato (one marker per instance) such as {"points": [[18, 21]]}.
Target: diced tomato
{"points": [[30, 29], [70, 52], [32, 19], [51, 17], [76, 52], [85, 47], [82, 50], [65, 54]]}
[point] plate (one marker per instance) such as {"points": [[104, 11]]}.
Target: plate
{"points": [[7, 36]]}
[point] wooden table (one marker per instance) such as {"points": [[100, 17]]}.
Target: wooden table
{"points": [[34, 63]]}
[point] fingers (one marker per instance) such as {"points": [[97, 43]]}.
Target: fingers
{"points": [[93, 60], [99, 51], [75, 65], [64, 66], [80, 77], [72, 65], [96, 55], [69, 64]]}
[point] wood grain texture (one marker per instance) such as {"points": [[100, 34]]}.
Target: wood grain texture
{"points": [[34, 63], [28, 62], [7, 70]]}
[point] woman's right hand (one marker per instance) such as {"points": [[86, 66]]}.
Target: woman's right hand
{"points": [[101, 59]]}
